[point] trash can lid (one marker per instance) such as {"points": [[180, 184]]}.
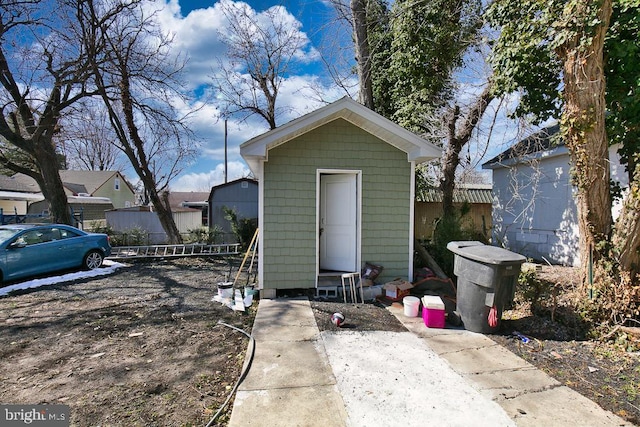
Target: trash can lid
{"points": [[478, 251], [453, 246]]}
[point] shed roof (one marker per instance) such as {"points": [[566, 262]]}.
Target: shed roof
{"points": [[19, 195], [256, 149], [471, 193], [231, 184], [234, 182]]}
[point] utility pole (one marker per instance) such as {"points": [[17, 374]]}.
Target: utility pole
{"points": [[225, 150]]}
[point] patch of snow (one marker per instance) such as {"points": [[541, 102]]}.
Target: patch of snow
{"points": [[109, 267]]}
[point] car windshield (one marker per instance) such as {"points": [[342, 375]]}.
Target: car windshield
{"points": [[7, 233]]}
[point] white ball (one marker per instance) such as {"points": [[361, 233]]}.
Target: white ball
{"points": [[337, 319]]}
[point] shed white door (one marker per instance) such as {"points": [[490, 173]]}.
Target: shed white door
{"points": [[338, 222]]}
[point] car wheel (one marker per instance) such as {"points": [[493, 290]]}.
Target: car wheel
{"points": [[92, 260]]}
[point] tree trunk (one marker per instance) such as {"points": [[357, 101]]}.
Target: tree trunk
{"points": [[450, 162], [140, 162], [163, 210], [363, 59], [456, 141], [52, 186], [626, 238], [584, 126]]}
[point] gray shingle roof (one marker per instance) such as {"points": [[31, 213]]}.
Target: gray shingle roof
{"points": [[9, 183], [178, 197], [75, 181], [89, 180], [539, 141]]}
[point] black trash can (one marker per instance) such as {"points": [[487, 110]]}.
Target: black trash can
{"points": [[487, 277]]}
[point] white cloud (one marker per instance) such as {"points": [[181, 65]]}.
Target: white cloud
{"points": [[205, 180], [196, 36], [306, 93]]}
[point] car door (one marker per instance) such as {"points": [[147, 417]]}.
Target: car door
{"points": [[29, 256], [69, 245]]}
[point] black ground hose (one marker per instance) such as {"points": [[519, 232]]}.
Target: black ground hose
{"points": [[245, 370]]}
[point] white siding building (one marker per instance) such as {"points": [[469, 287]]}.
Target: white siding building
{"points": [[534, 210]]}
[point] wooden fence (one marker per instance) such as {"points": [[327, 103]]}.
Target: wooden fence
{"points": [[427, 213]]}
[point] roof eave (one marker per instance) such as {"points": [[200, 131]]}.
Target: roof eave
{"points": [[21, 196], [423, 155], [539, 155], [255, 163], [255, 150]]}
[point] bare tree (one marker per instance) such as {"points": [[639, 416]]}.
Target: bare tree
{"points": [[87, 140], [43, 71], [336, 51], [138, 81], [261, 51]]}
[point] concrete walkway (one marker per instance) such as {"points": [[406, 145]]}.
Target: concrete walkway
{"points": [[446, 377], [529, 396], [290, 382]]}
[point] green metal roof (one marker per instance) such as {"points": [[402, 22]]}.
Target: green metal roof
{"points": [[480, 193]]}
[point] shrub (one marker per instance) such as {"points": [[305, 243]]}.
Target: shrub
{"points": [[242, 228], [135, 236], [450, 229], [205, 234], [533, 290], [115, 239]]}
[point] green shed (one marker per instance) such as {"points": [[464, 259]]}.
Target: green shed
{"points": [[336, 191]]}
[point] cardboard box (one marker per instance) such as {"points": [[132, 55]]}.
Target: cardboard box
{"points": [[396, 289], [433, 311]]}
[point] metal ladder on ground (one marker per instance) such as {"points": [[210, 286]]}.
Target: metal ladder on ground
{"points": [[173, 251]]}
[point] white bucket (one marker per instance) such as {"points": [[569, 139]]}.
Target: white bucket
{"points": [[225, 290], [411, 306]]}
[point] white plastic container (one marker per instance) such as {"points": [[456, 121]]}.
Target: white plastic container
{"points": [[225, 290], [411, 306]]}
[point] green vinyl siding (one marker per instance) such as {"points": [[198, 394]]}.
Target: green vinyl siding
{"points": [[289, 222]]}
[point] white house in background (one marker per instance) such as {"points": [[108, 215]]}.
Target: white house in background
{"points": [[534, 210], [193, 200]]}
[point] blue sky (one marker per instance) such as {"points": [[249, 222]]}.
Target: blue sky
{"points": [[195, 26]]}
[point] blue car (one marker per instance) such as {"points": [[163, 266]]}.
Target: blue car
{"points": [[33, 249]]}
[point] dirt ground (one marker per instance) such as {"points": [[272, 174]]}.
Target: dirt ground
{"points": [[143, 347]]}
